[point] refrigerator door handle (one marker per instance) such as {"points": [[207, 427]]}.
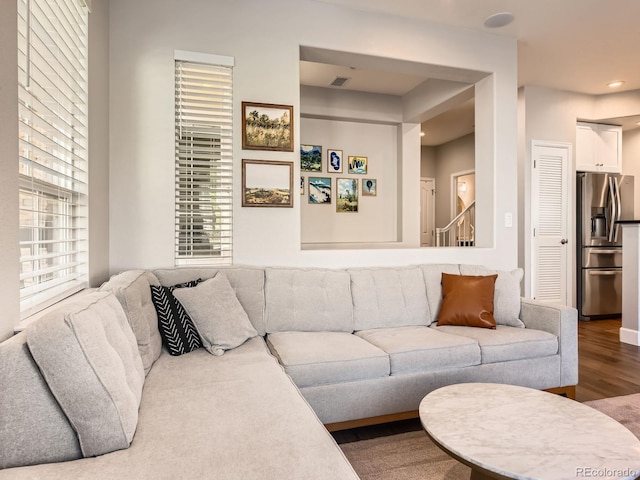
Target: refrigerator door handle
{"points": [[604, 273], [619, 203], [611, 198]]}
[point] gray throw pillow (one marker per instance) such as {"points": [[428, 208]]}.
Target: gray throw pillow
{"points": [[217, 314], [90, 361]]}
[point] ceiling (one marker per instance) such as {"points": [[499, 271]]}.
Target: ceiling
{"points": [[575, 45]]}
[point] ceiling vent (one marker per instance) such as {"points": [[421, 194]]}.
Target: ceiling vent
{"points": [[339, 81]]}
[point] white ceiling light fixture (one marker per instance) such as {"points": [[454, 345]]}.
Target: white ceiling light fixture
{"points": [[615, 84], [422, 134], [498, 20]]}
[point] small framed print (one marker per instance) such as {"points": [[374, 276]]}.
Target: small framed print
{"points": [[267, 183], [334, 161], [369, 187], [358, 165], [311, 158], [266, 126], [301, 185], [347, 195], [319, 190]]}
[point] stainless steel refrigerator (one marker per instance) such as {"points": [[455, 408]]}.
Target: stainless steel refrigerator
{"points": [[603, 198]]}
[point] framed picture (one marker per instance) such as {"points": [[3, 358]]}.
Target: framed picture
{"points": [[319, 190], [301, 185], [267, 126], [347, 195], [334, 161], [311, 158], [267, 183], [369, 187], [358, 165]]}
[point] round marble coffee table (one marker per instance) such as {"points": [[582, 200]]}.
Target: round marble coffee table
{"points": [[504, 431]]}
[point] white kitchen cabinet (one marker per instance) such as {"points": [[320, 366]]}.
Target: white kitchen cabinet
{"points": [[598, 147]]}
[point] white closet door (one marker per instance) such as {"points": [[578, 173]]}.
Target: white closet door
{"points": [[550, 213]]}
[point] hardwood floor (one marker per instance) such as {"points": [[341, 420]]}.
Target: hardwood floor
{"points": [[606, 368]]}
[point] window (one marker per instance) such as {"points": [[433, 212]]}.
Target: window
{"points": [[204, 160], [52, 106]]}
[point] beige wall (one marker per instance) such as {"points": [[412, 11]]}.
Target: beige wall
{"points": [[451, 157], [99, 142], [9, 252]]}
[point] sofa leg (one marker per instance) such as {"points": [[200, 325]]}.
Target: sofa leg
{"points": [[569, 391]]}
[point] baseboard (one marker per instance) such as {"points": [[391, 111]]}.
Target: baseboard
{"points": [[632, 337]]}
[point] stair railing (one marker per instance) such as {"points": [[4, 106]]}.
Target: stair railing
{"points": [[460, 231]]}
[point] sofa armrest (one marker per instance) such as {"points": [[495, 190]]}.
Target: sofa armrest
{"points": [[561, 321]]}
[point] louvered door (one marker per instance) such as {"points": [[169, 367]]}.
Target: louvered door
{"points": [[550, 208]]}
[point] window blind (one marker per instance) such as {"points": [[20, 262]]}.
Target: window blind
{"points": [[52, 110], [204, 163]]}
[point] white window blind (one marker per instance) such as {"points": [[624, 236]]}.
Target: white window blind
{"points": [[204, 163], [52, 105]]}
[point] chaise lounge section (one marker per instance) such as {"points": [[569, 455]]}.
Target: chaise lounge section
{"points": [[332, 349]]}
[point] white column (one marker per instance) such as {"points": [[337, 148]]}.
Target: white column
{"points": [[630, 330]]}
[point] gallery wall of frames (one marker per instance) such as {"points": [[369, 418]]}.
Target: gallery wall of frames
{"points": [[348, 181]]}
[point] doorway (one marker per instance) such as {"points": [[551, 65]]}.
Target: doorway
{"points": [[427, 212]]}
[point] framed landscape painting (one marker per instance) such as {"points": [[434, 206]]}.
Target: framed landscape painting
{"points": [[334, 161], [369, 187], [267, 183], [347, 195], [311, 158], [358, 165], [267, 126], [319, 190]]}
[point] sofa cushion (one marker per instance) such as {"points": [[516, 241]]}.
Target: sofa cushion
{"points": [[176, 326], [467, 300], [309, 300], [90, 361], [388, 297], [247, 282], [33, 427], [217, 314], [319, 358], [131, 288], [506, 303], [422, 349], [432, 274], [507, 343]]}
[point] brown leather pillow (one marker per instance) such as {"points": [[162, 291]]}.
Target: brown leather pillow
{"points": [[467, 300]]}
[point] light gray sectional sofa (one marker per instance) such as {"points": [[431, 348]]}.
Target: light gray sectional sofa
{"points": [[334, 347]]}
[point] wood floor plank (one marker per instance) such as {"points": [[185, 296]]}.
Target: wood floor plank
{"points": [[606, 368]]}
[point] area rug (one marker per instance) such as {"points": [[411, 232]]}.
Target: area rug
{"points": [[412, 456]]}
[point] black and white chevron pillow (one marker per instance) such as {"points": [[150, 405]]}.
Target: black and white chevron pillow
{"points": [[176, 327]]}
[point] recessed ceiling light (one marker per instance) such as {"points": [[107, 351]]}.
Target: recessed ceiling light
{"points": [[498, 20], [615, 84]]}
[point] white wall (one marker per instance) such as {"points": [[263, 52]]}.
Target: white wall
{"points": [[376, 218], [98, 158], [631, 162], [265, 39], [551, 115]]}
